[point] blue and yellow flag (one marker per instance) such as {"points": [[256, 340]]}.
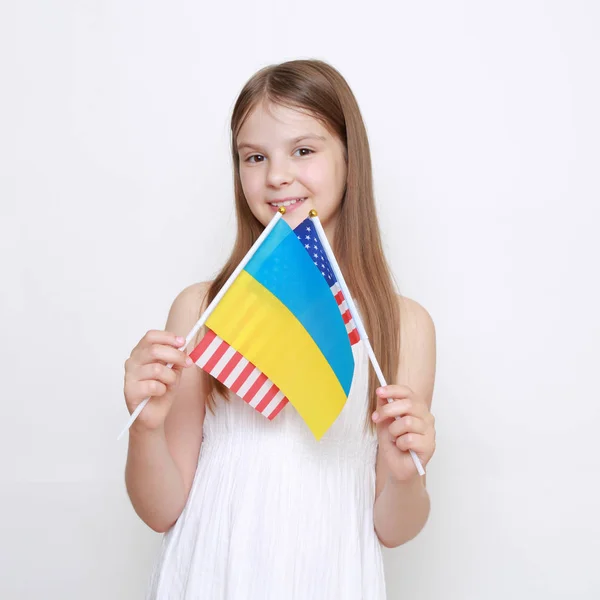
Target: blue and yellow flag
{"points": [[281, 316]]}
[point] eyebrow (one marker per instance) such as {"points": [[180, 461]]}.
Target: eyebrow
{"points": [[292, 142]]}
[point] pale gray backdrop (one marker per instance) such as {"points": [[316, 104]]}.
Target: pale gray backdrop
{"points": [[116, 194]]}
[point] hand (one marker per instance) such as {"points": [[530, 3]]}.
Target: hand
{"points": [[414, 430], [146, 374]]}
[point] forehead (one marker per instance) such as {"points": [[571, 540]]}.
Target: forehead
{"points": [[274, 121]]}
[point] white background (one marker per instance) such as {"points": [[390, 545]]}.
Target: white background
{"points": [[116, 194]]}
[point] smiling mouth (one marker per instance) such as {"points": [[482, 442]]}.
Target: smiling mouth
{"points": [[287, 202]]}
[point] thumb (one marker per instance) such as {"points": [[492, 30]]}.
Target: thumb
{"points": [[177, 369], [381, 402], [381, 423]]}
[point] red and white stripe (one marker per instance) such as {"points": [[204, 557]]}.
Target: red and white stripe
{"points": [[217, 357], [346, 314]]}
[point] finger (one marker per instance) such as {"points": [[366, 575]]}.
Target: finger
{"points": [[164, 354], [400, 408], [154, 388], [166, 338], [138, 390], [396, 391], [159, 372], [407, 424], [412, 441]]}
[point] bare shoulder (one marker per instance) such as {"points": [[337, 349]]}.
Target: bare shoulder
{"points": [[190, 299], [187, 308], [414, 315], [417, 347]]}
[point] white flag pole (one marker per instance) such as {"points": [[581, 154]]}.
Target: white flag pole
{"points": [[355, 315], [213, 305]]}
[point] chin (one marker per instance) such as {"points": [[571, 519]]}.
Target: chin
{"points": [[295, 218]]}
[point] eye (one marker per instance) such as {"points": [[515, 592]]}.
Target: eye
{"points": [[305, 151], [249, 159]]}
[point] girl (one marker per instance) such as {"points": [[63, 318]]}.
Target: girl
{"points": [[256, 509]]}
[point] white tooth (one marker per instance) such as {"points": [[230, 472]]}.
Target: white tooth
{"points": [[286, 203]]}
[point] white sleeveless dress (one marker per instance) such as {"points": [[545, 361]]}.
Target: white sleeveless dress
{"points": [[275, 515]]}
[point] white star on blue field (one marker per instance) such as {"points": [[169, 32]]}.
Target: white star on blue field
{"points": [[306, 234]]}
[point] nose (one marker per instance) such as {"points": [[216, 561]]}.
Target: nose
{"points": [[280, 172]]}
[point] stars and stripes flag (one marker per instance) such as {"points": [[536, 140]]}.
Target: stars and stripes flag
{"points": [[306, 233]]}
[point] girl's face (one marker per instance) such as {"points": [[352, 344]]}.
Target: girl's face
{"points": [[287, 156]]}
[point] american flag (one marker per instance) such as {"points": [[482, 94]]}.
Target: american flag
{"points": [[310, 240], [217, 357]]}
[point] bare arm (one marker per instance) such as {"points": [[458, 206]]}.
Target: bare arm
{"points": [[402, 504], [164, 447]]}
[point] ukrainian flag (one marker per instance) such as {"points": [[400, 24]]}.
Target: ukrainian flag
{"points": [[280, 314]]}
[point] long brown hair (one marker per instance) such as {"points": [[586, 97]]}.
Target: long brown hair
{"points": [[317, 87]]}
